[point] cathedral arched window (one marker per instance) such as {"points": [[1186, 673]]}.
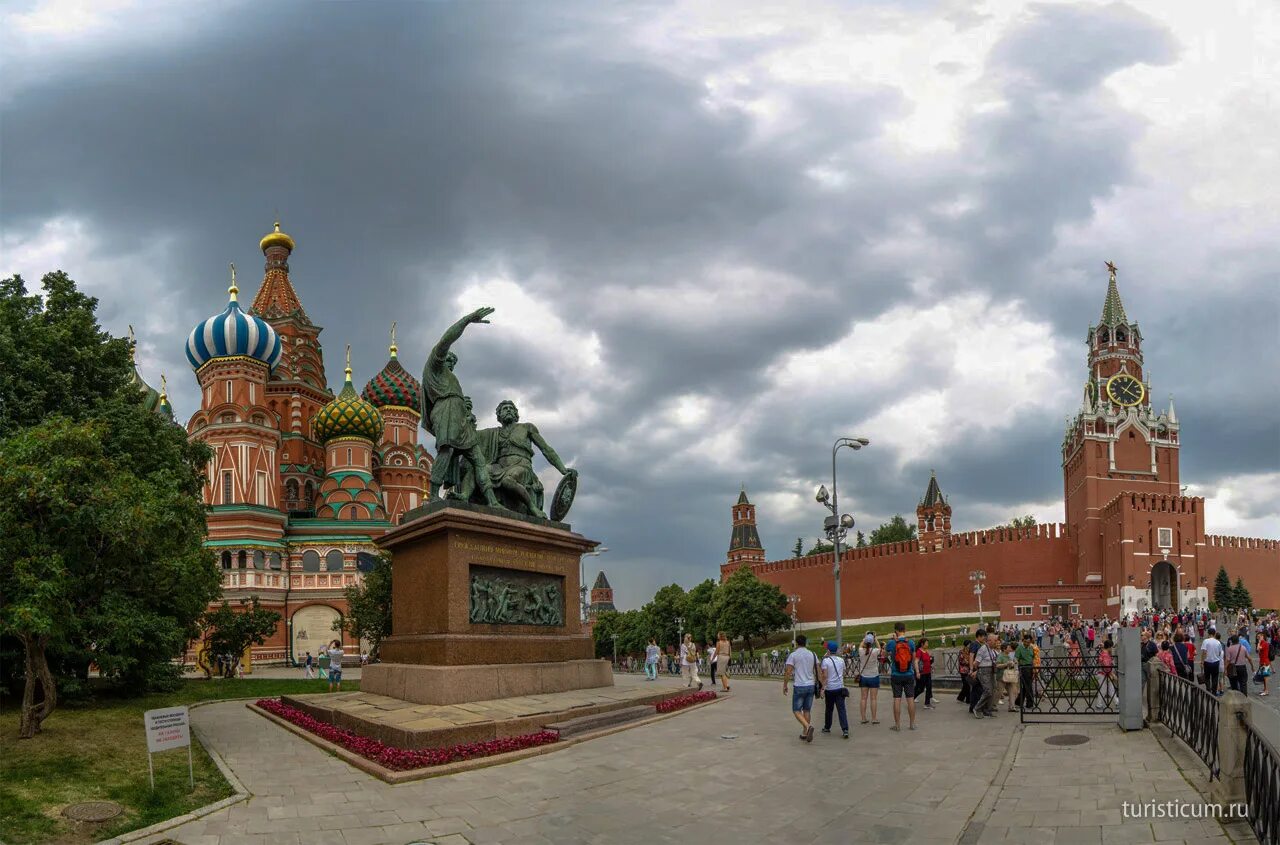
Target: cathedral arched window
{"points": [[226, 488], [228, 418], [1104, 336], [242, 560], [259, 419], [1121, 336], [310, 561], [311, 494], [226, 560], [275, 561], [259, 559], [291, 492], [333, 561]]}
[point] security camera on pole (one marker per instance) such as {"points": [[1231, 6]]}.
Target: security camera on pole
{"points": [[837, 526]]}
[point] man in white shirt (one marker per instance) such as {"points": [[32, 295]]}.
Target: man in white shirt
{"points": [[1212, 649], [802, 668], [833, 689]]}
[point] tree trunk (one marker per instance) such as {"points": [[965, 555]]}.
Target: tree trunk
{"points": [[37, 673]]}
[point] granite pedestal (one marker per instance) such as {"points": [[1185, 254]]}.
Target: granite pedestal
{"points": [[438, 654]]}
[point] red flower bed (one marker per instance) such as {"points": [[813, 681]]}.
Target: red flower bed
{"points": [[670, 704], [402, 759]]}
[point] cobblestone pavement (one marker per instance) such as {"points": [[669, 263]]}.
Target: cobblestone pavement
{"points": [[680, 780]]}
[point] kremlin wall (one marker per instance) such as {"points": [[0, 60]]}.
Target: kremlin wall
{"points": [[1131, 542]]}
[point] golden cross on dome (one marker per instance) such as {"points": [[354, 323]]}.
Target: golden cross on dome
{"points": [[393, 339], [1111, 268], [133, 342], [348, 362], [164, 385], [233, 290]]}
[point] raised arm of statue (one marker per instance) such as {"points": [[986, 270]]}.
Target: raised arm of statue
{"points": [[441, 350], [547, 451]]}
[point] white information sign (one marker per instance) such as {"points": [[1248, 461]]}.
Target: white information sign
{"points": [[167, 728]]}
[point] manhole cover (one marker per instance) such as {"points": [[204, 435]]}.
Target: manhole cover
{"points": [[93, 811], [1067, 739], [728, 736]]}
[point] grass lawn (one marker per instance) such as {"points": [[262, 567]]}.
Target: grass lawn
{"points": [[854, 633], [98, 751]]}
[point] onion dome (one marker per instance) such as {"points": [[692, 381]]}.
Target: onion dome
{"points": [[147, 394], [276, 238], [233, 333], [347, 415], [164, 407], [394, 385]]}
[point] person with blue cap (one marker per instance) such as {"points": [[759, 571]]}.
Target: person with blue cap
{"points": [[834, 690]]}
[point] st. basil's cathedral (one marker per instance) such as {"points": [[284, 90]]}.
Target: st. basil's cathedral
{"points": [[302, 482]]}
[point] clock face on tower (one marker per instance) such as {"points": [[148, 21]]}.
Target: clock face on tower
{"points": [[1125, 390]]}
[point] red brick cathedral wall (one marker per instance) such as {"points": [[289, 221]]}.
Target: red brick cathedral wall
{"points": [[896, 579], [1255, 560]]}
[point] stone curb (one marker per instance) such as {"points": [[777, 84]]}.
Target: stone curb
{"points": [[1189, 764], [241, 792], [397, 777]]}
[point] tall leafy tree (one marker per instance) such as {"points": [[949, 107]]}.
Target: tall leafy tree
{"points": [[1223, 594], [668, 604], [1027, 521], [101, 518], [369, 607], [798, 549], [748, 608], [896, 530], [861, 541], [699, 611], [820, 547]]}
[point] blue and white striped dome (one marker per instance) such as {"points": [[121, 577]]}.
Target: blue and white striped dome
{"points": [[233, 332]]}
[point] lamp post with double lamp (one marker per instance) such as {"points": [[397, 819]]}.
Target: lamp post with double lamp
{"points": [[977, 577], [679, 639], [837, 526], [795, 617], [583, 604]]}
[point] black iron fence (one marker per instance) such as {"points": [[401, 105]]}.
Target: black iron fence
{"points": [[1077, 687], [1191, 713], [1261, 783]]}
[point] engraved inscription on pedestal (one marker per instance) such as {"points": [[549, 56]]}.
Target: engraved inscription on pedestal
{"points": [[516, 597]]}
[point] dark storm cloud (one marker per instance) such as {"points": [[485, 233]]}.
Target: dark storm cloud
{"points": [[416, 148]]}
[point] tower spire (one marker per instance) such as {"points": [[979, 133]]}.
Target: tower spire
{"points": [[394, 348], [1112, 308], [234, 290], [348, 370]]}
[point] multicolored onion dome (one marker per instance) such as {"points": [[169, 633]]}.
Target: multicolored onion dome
{"points": [[394, 385], [276, 238], [347, 415], [233, 333]]}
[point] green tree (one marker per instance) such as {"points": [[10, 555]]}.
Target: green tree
{"points": [[630, 627], [101, 517], [1028, 521], [231, 630], [861, 542], [1223, 594], [668, 604], [1240, 596], [747, 607], [369, 607], [896, 530], [820, 547], [699, 611], [798, 549]]}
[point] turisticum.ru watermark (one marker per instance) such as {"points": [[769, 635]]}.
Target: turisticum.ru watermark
{"points": [[1182, 810]]}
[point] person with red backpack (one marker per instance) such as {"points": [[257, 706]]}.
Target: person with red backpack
{"points": [[903, 670]]}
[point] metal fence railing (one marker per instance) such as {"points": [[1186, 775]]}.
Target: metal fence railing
{"points": [[1190, 712], [1261, 784], [946, 666], [1075, 687]]}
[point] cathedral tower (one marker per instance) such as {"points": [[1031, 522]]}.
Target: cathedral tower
{"points": [[349, 427], [933, 517], [401, 466], [1117, 442], [601, 596], [744, 544]]}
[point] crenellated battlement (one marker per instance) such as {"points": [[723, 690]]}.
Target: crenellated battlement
{"points": [[1255, 543], [1154, 503]]}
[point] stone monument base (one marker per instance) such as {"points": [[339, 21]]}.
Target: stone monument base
{"points": [[427, 684]]}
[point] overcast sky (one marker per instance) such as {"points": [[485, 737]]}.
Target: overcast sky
{"points": [[718, 235]]}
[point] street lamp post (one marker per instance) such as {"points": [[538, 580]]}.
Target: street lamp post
{"points": [[977, 577], [679, 639], [615, 648], [795, 617], [837, 526]]}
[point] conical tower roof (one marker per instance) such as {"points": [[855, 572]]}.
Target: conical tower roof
{"points": [[602, 583], [1112, 308], [277, 298], [932, 493]]}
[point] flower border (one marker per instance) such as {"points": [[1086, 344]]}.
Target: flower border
{"points": [[670, 705], [403, 759]]}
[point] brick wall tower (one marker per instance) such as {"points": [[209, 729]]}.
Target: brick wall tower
{"points": [[1117, 442], [297, 388], [232, 354], [601, 596], [349, 427], [401, 466], [933, 517], [744, 544]]}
